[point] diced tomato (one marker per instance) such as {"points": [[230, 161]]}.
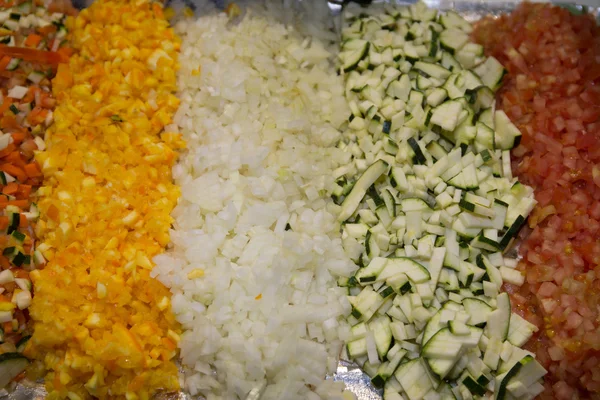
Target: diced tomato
{"points": [[552, 93]]}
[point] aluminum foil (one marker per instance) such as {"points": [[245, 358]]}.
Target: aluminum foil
{"points": [[354, 378]]}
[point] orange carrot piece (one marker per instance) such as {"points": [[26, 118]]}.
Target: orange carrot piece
{"points": [[34, 55], [22, 204], [3, 222], [47, 30], [32, 170], [17, 172], [8, 150], [33, 40], [5, 105], [30, 96], [10, 188], [65, 53], [21, 273], [23, 223], [15, 159], [4, 62], [9, 121], [13, 74], [4, 262], [37, 115], [24, 190], [18, 137]]}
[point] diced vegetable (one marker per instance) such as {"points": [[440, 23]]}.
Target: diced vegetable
{"points": [[30, 49], [11, 365], [433, 203]]}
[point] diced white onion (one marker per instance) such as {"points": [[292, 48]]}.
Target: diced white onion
{"points": [[18, 92], [255, 212]]}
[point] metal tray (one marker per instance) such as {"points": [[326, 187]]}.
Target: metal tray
{"points": [[355, 379]]}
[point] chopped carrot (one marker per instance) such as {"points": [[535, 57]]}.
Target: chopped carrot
{"points": [[32, 170], [46, 30], [24, 190], [37, 116], [5, 105], [33, 40], [17, 172], [9, 121], [18, 137], [12, 74], [34, 55], [21, 273], [4, 62], [30, 96], [4, 262], [15, 159], [23, 223], [65, 52], [8, 150], [10, 188], [22, 204]]}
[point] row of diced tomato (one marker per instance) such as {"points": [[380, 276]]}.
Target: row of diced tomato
{"points": [[552, 92]]}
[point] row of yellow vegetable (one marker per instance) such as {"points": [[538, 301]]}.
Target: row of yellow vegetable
{"points": [[102, 326]]}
